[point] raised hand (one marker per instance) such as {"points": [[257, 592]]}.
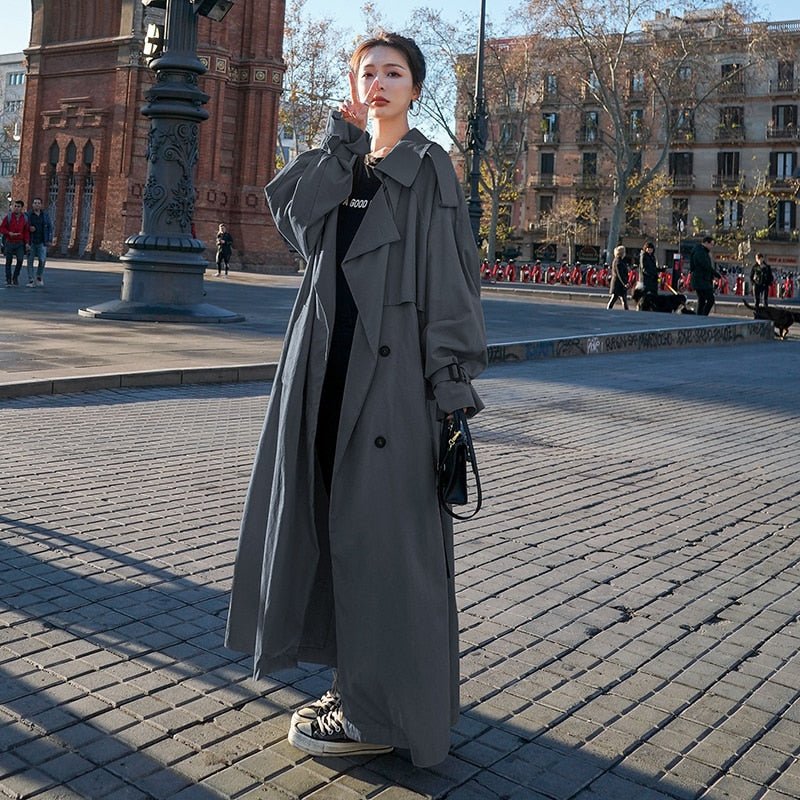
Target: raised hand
{"points": [[355, 110]]}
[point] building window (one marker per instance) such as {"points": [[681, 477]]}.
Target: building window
{"points": [[591, 126], [13, 105], [729, 214], [636, 84], [636, 124], [731, 121], [589, 165], [545, 205], [685, 74], [507, 132], [15, 78], [680, 212], [732, 79], [727, 169], [550, 86], [783, 214], [681, 169], [782, 166], [784, 118], [7, 168], [682, 120], [786, 76], [547, 163]]}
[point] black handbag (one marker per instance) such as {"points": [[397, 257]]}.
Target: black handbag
{"points": [[455, 452]]}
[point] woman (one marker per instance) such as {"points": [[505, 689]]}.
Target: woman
{"points": [[345, 557], [648, 269], [619, 279]]}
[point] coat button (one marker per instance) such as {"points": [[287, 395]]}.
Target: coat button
{"points": [[380, 442], [385, 350]]}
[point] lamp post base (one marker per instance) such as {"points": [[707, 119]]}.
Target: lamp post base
{"points": [[162, 282], [146, 312]]}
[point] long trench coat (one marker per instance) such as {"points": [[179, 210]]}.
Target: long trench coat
{"points": [[385, 612]]}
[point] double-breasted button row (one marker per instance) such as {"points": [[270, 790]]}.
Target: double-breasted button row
{"points": [[380, 441], [384, 350]]}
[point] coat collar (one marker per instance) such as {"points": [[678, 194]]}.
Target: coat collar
{"points": [[405, 158]]}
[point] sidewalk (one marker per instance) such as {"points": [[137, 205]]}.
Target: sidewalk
{"points": [[49, 349], [629, 596]]}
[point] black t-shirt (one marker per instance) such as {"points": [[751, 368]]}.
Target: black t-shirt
{"points": [[351, 213]]}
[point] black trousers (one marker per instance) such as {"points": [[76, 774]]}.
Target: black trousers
{"points": [[705, 301], [760, 294], [12, 250]]}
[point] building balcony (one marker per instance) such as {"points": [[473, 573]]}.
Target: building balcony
{"points": [[782, 183], [783, 235], [684, 136], [728, 182], [786, 133], [586, 182], [682, 181], [547, 137], [734, 88], [787, 86], [588, 136], [730, 133], [545, 179]]}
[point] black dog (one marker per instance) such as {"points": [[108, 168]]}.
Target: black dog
{"points": [[666, 303], [781, 319]]}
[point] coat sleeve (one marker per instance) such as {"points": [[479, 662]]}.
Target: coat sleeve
{"points": [[453, 332], [302, 194]]}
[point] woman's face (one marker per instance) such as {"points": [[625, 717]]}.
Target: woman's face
{"points": [[395, 85]]}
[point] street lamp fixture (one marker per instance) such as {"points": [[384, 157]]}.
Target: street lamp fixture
{"points": [[477, 133], [213, 9]]}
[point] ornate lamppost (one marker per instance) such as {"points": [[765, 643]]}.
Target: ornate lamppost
{"points": [[477, 132], [164, 264]]}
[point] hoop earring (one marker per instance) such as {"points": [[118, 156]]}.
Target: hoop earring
{"points": [[412, 110]]}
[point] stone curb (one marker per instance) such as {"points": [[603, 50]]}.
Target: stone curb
{"points": [[633, 341], [508, 352], [150, 378]]}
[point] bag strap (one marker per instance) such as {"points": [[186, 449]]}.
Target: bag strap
{"points": [[473, 461]]}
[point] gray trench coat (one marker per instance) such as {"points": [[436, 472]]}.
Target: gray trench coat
{"points": [[385, 613]]}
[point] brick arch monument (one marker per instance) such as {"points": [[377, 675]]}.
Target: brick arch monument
{"points": [[84, 138]]}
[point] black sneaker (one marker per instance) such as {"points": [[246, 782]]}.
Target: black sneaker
{"points": [[325, 736], [330, 701]]}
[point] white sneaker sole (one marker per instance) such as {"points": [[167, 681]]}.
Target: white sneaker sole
{"points": [[315, 747]]}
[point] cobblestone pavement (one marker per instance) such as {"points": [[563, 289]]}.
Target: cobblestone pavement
{"points": [[630, 596]]}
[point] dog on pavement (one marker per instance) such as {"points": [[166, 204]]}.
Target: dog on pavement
{"points": [[666, 303], [781, 319]]}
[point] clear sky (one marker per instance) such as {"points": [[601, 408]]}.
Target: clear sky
{"points": [[15, 28]]}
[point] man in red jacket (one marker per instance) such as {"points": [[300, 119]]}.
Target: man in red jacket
{"points": [[16, 238]]}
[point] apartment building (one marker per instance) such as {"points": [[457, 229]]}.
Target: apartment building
{"points": [[12, 98], [732, 167]]}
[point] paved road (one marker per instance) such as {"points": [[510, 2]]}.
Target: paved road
{"points": [[629, 598], [45, 339]]}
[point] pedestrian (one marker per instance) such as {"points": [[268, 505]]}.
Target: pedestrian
{"points": [[224, 248], [618, 288], [16, 237], [702, 271], [345, 558], [41, 235], [761, 278], [648, 269]]}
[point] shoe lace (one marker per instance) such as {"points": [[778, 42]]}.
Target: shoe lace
{"points": [[329, 701], [330, 724]]}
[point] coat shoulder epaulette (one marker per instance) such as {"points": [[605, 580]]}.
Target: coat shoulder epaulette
{"points": [[445, 176]]}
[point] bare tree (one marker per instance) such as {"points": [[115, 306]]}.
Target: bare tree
{"points": [[511, 73], [315, 76], [650, 73]]}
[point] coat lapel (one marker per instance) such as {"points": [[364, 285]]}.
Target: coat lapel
{"points": [[364, 265]]}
